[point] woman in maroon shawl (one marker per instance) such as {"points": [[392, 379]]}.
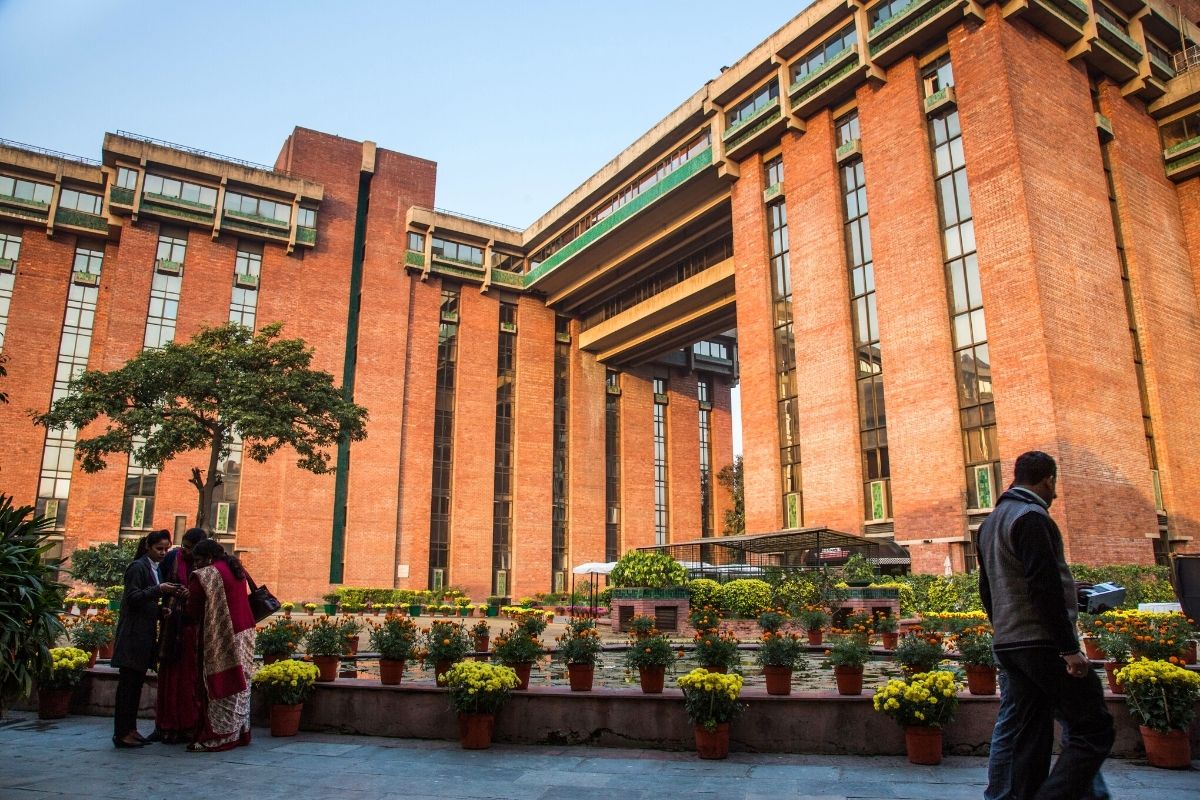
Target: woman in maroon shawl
{"points": [[218, 600], [177, 711]]}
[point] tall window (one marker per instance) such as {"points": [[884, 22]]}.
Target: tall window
{"points": [[443, 439], [224, 510], [559, 494], [612, 465], [10, 253], [661, 505], [704, 396], [502, 504], [54, 483], [872, 419], [164, 290], [972, 365], [247, 269], [785, 354]]}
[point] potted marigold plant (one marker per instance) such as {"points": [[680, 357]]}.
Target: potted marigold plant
{"points": [[919, 651], [93, 633], [444, 644], [711, 701], [285, 685], [519, 648], [717, 651], [287, 607], [1115, 644], [278, 640], [975, 646], [395, 639], [778, 654], [477, 691], [847, 654], [62, 675], [310, 608], [579, 649], [481, 632], [921, 704], [325, 643], [350, 628], [813, 619], [885, 625], [650, 654], [1162, 698]]}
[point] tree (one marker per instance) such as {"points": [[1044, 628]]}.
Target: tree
{"points": [[730, 477], [226, 383], [30, 599], [103, 565]]}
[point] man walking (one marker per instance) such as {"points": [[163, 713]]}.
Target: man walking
{"points": [[1029, 596]]}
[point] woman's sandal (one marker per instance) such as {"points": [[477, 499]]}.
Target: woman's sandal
{"points": [[198, 747]]}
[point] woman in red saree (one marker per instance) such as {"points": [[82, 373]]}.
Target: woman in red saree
{"points": [[177, 710], [218, 600]]}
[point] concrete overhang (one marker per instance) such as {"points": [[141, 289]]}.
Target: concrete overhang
{"points": [[1183, 92], [697, 307], [46, 167], [461, 227], [208, 168]]}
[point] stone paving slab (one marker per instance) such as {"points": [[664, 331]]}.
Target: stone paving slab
{"points": [[74, 758]]}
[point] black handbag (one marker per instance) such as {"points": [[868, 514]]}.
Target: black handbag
{"points": [[262, 603]]}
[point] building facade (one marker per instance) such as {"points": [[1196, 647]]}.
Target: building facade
{"points": [[924, 235]]}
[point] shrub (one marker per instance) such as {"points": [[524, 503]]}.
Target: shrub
{"points": [[653, 570], [94, 632], [517, 646], [325, 638], [579, 643], [714, 649], [771, 621], [103, 564], [848, 651], [813, 618], [746, 597], [67, 665], [30, 599], [653, 650], [704, 592], [808, 588], [919, 651], [975, 646], [779, 650], [1143, 584], [857, 568], [446, 641], [705, 619]]}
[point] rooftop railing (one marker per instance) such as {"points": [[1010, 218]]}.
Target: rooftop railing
{"points": [[87, 162], [241, 162]]}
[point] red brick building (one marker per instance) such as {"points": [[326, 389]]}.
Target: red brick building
{"points": [[944, 231]]}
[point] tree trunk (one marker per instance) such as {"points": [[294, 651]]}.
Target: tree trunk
{"points": [[206, 487]]}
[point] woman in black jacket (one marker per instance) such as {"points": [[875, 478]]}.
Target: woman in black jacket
{"points": [[137, 633]]}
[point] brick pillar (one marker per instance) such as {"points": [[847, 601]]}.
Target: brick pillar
{"points": [[825, 360], [637, 460], [534, 449], [756, 351], [924, 439], [585, 509]]}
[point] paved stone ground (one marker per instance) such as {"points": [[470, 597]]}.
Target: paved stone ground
{"points": [[74, 758]]}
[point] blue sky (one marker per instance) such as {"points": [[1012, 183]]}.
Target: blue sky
{"points": [[518, 102]]}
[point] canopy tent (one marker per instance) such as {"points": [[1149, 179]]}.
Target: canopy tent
{"points": [[592, 568], [751, 555]]}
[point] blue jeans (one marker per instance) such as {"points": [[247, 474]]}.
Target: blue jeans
{"points": [[1035, 689]]}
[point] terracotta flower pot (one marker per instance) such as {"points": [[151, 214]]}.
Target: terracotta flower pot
{"points": [[981, 679], [1189, 652], [352, 645], [890, 639], [815, 636], [285, 719], [652, 678], [721, 668], [94, 653], [391, 671], [481, 644], [1091, 649], [54, 703], [849, 678], [713, 744], [328, 666], [271, 658], [1166, 749], [923, 745], [779, 679], [475, 731], [522, 669], [106, 651], [581, 676], [440, 669], [1110, 673]]}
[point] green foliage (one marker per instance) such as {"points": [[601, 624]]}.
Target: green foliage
{"points": [[780, 650], [705, 619], [731, 476], [30, 599], [1143, 584], [812, 618], [650, 651], [848, 651], [746, 597], [446, 641], [704, 592], [199, 394], [716, 649], [908, 598], [280, 638], [94, 632], [285, 682], [653, 570], [102, 565], [771, 621], [517, 645], [1161, 696], [856, 568], [807, 588], [395, 638], [579, 643], [325, 638], [710, 698], [975, 646], [919, 652]]}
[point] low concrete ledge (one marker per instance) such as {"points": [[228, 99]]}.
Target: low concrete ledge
{"points": [[811, 722]]}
